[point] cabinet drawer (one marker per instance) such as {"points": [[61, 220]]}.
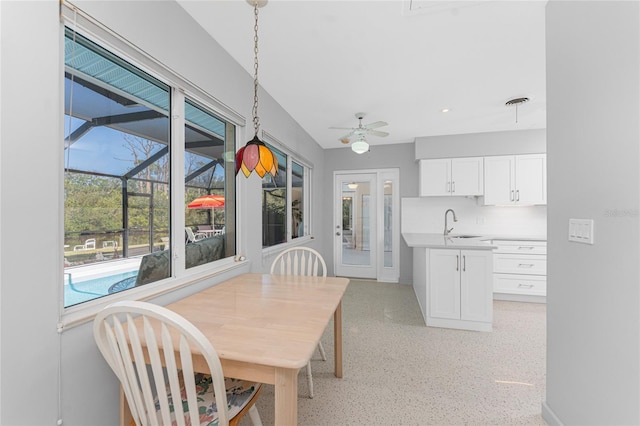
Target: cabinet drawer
{"points": [[520, 247], [520, 284], [520, 264]]}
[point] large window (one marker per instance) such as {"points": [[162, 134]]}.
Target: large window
{"points": [[208, 187], [120, 176], [285, 211]]}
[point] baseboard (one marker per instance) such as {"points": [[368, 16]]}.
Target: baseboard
{"points": [[549, 416]]}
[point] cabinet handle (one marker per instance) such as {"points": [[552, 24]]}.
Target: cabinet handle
{"points": [[453, 187], [518, 195], [525, 285], [448, 186], [525, 265], [457, 262], [464, 263], [512, 195], [526, 248]]}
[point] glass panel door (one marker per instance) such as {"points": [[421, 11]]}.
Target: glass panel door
{"points": [[355, 220]]}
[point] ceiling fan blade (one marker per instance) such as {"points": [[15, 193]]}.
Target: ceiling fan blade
{"points": [[347, 136], [377, 133], [376, 125], [343, 128]]}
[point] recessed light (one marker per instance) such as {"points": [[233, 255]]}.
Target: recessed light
{"points": [[444, 110]]}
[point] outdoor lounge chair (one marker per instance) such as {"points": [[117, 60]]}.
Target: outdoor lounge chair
{"points": [[191, 237], [89, 244]]}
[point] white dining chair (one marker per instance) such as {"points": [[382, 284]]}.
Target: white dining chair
{"points": [[303, 261], [154, 373]]}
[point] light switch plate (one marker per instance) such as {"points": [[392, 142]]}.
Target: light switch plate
{"points": [[581, 231]]}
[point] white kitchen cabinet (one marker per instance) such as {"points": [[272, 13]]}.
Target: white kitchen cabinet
{"points": [[515, 180], [460, 289], [451, 176], [520, 270]]}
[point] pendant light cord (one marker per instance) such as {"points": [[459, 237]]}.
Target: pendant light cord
{"points": [[256, 119]]}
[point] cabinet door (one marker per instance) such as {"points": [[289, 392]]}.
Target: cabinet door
{"points": [[467, 176], [444, 284], [499, 180], [531, 179], [476, 285], [435, 177]]}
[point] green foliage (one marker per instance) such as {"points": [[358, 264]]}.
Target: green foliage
{"points": [[93, 205]]}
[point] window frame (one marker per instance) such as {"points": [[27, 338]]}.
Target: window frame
{"points": [[307, 189], [180, 90]]}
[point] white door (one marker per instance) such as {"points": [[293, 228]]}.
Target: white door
{"points": [[476, 285], [435, 177], [467, 176], [444, 284], [355, 225], [531, 179], [498, 180]]}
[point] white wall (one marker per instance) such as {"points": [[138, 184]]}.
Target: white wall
{"points": [[593, 300], [32, 352], [426, 214]]}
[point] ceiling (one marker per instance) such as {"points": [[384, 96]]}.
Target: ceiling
{"points": [[398, 61]]}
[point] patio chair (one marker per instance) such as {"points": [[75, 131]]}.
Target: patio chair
{"points": [[89, 244], [149, 384], [110, 244], [307, 262], [191, 237]]}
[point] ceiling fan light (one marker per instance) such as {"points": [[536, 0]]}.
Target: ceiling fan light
{"points": [[360, 146]]}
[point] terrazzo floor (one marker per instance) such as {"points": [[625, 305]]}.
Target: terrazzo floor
{"points": [[397, 371]]}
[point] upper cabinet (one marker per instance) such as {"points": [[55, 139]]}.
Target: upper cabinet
{"points": [[451, 176], [515, 180]]}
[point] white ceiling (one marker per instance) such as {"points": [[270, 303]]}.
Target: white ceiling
{"points": [[398, 61]]}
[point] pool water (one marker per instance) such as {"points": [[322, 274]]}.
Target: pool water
{"points": [[78, 292]]}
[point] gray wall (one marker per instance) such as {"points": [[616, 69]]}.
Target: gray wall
{"points": [[379, 157], [593, 114], [404, 156], [512, 142], [31, 163]]}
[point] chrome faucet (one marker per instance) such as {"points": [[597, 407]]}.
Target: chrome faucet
{"points": [[455, 219]]}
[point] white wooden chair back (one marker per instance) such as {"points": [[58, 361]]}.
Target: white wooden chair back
{"points": [[299, 261], [119, 334]]}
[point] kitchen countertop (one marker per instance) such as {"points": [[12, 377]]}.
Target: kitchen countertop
{"points": [[440, 241], [480, 242]]}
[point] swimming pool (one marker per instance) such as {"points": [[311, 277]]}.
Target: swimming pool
{"points": [[81, 291]]}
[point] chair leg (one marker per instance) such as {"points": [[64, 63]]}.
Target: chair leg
{"points": [[255, 416], [322, 353], [310, 379]]}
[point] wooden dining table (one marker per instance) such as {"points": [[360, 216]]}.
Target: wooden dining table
{"points": [[265, 328]]}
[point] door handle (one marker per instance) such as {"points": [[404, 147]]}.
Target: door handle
{"points": [[512, 195], [338, 233], [518, 195], [457, 262], [464, 263]]}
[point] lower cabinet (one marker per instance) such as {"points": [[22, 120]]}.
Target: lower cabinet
{"points": [[520, 270], [460, 289]]}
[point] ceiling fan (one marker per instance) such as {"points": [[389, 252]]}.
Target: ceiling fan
{"points": [[362, 130]]}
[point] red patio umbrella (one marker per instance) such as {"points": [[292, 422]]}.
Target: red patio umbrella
{"points": [[210, 201]]}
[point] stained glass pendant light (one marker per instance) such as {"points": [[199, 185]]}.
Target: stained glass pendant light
{"points": [[255, 155]]}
